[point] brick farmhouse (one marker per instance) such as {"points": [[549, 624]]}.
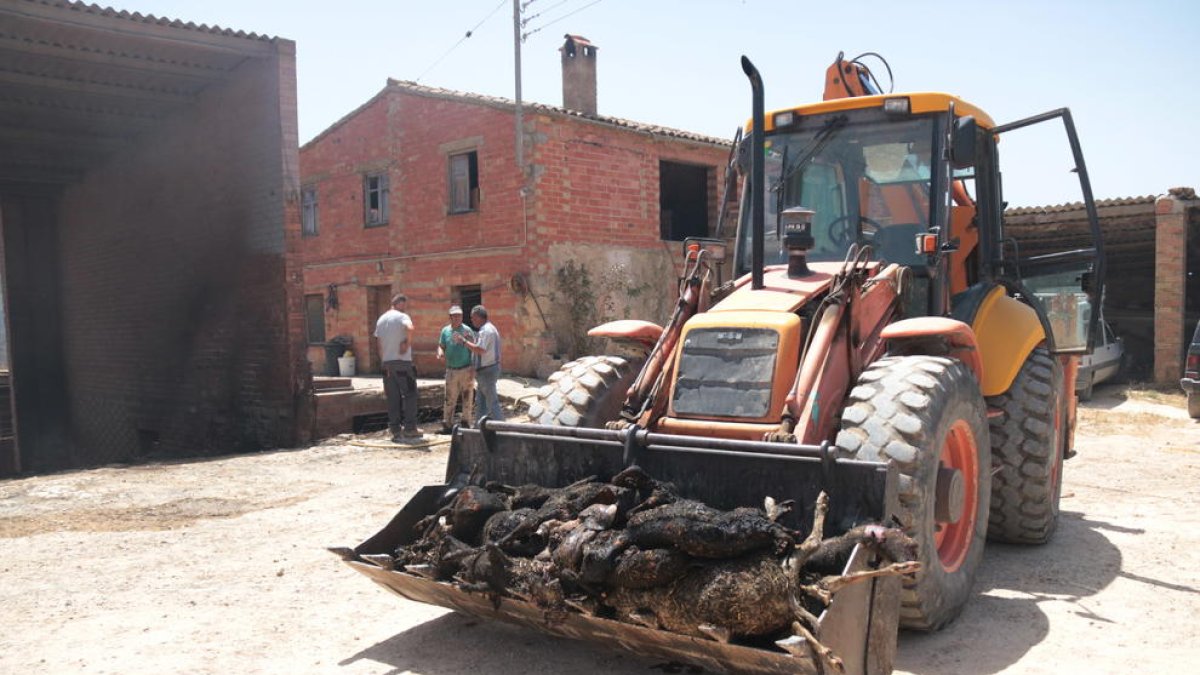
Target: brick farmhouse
{"points": [[419, 191]]}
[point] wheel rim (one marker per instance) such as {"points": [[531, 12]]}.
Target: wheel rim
{"points": [[953, 539]]}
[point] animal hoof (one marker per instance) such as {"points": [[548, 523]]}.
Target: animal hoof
{"points": [[581, 605], [718, 633], [794, 645], [647, 619]]}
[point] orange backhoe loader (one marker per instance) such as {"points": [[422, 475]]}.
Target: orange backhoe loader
{"points": [[881, 342]]}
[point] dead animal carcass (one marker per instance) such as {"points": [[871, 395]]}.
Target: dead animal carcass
{"points": [[630, 560]]}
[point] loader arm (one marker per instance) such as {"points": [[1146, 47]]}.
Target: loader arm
{"points": [[846, 338]]}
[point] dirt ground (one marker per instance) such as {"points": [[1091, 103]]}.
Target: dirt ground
{"points": [[220, 566]]}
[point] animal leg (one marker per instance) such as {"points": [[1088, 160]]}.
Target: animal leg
{"points": [[833, 584], [826, 660], [805, 549]]}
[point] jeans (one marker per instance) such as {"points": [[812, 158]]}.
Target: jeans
{"points": [[487, 401], [400, 385]]}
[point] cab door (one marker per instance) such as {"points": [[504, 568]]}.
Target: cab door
{"points": [[1061, 275]]}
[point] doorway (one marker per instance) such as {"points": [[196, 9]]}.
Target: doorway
{"points": [[467, 297], [379, 299]]}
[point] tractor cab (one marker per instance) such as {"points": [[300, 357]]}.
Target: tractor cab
{"points": [[915, 177]]}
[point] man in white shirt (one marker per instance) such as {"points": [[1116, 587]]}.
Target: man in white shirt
{"points": [[393, 330], [486, 349]]}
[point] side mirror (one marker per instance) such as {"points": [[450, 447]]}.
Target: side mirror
{"points": [[742, 161], [962, 143]]}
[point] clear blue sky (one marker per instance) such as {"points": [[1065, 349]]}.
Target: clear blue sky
{"points": [[1125, 69]]}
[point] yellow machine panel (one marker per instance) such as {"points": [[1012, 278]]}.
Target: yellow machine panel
{"points": [[920, 102], [1007, 331], [739, 323]]}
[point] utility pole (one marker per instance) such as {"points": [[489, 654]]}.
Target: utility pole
{"points": [[517, 59]]}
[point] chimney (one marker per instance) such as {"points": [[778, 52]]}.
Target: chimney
{"points": [[579, 74]]}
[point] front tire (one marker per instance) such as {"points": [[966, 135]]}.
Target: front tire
{"points": [[926, 414], [1027, 453], [586, 392]]}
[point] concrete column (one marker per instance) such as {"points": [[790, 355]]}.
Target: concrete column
{"points": [[1170, 262]]}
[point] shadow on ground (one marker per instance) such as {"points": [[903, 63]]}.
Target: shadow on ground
{"points": [[454, 644], [1005, 620]]}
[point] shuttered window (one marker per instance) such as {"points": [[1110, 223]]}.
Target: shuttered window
{"points": [[464, 182]]}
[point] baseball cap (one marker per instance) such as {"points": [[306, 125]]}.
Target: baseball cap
{"points": [[455, 309]]}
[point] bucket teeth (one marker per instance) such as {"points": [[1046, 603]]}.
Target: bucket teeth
{"points": [[343, 552], [383, 560]]}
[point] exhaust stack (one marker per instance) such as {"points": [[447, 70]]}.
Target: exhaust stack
{"points": [[757, 175]]}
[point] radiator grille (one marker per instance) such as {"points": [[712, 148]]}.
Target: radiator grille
{"points": [[726, 372]]}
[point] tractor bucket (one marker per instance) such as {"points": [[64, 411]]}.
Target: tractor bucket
{"points": [[859, 626]]}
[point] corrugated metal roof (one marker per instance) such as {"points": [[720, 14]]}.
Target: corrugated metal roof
{"points": [[138, 17]]}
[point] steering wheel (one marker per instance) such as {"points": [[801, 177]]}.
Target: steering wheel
{"points": [[841, 233]]}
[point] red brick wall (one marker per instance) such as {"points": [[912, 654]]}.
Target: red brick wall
{"points": [[181, 306], [600, 183], [593, 184], [1170, 264]]}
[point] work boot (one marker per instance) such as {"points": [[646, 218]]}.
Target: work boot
{"points": [[411, 433]]}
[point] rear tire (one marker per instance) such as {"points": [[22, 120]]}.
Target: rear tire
{"points": [[1027, 453], [586, 392], [923, 413], [1085, 394]]}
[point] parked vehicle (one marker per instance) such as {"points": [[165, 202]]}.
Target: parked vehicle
{"points": [[1191, 375], [873, 348], [1104, 363]]}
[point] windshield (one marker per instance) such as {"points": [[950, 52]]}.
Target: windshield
{"points": [[868, 182]]}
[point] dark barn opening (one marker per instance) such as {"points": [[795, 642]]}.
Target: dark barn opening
{"points": [[148, 199], [683, 200]]}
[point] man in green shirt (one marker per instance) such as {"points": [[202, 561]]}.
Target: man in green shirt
{"points": [[460, 375]]}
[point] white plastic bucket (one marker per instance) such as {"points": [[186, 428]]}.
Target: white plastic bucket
{"points": [[346, 366]]}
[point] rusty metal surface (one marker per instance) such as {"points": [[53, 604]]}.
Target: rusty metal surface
{"points": [[860, 625], [736, 474], [852, 627]]}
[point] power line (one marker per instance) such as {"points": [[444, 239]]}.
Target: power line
{"points": [[564, 16], [463, 39], [526, 20]]}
